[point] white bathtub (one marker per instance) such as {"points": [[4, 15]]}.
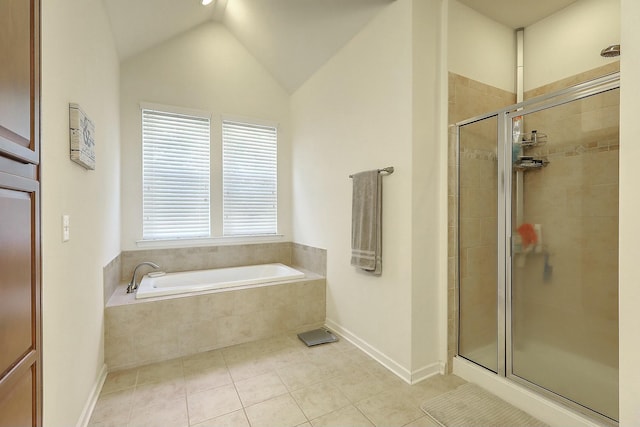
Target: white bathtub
{"points": [[219, 278]]}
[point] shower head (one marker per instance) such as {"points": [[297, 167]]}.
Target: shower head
{"points": [[611, 51]]}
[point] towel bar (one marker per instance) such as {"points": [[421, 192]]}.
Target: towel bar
{"points": [[388, 170]]}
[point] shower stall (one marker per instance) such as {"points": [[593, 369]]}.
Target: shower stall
{"points": [[537, 245]]}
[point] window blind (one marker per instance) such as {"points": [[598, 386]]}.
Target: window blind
{"points": [[249, 175], [175, 175]]}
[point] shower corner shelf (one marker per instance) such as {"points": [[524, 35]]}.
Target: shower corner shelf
{"points": [[533, 139], [530, 140], [530, 163]]}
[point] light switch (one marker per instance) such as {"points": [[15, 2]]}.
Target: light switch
{"points": [[65, 228]]}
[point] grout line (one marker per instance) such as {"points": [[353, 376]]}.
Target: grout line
{"points": [[233, 381], [186, 393]]}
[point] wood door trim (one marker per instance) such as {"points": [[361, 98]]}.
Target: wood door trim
{"points": [[35, 80], [13, 375]]}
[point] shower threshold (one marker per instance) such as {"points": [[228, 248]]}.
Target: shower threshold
{"points": [[545, 409]]}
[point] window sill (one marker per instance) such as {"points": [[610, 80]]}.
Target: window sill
{"points": [[209, 241]]}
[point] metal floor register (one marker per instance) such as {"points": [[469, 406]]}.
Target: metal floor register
{"points": [[317, 336]]}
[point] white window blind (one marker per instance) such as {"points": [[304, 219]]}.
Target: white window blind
{"points": [[175, 175], [249, 175]]}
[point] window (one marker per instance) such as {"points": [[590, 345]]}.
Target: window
{"points": [[187, 195], [175, 175], [249, 179]]}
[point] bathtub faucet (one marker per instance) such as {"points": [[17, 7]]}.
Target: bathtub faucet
{"points": [[132, 284]]}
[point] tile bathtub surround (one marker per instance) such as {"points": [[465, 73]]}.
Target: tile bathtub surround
{"points": [[206, 257], [309, 258], [138, 332], [274, 382], [111, 277], [120, 269]]}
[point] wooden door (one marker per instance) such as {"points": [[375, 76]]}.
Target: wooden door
{"points": [[20, 341]]}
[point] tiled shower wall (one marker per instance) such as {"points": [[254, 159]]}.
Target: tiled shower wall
{"points": [[469, 98]]}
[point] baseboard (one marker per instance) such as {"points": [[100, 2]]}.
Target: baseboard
{"points": [[83, 421], [427, 371], [544, 409], [410, 377]]}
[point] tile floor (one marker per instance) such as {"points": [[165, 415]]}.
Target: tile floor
{"points": [[276, 382]]}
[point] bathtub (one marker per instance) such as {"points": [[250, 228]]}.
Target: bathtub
{"points": [[215, 279]]}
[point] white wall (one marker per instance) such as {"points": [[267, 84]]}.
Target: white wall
{"points": [[429, 185], [357, 113], [629, 291], [79, 64], [569, 41], [204, 69], [480, 48]]}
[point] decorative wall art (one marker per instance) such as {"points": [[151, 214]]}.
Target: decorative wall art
{"points": [[82, 141]]}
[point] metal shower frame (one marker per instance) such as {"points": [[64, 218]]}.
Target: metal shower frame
{"points": [[505, 187]]}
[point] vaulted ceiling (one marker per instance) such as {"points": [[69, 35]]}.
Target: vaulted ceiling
{"points": [[517, 13], [291, 38]]}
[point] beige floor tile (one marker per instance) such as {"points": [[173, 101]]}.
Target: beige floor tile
{"points": [[391, 409], [207, 378], [166, 414], [359, 385], [358, 356], [155, 393], [242, 369], [343, 345], [347, 416], [320, 399], [202, 361], [233, 419], [335, 364], [423, 422], [287, 356], [300, 375], [279, 343], [113, 407], [163, 371], [212, 403], [435, 386], [281, 411], [245, 351], [120, 380], [328, 349], [258, 389], [280, 381], [107, 423]]}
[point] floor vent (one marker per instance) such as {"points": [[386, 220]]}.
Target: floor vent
{"points": [[316, 337]]}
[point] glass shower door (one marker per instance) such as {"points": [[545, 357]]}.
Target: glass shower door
{"points": [[477, 242], [564, 263]]}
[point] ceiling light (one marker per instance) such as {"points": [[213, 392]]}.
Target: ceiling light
{"points": [[206, 2]]}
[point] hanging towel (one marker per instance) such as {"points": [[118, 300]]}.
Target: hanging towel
{"points": [[366, 222]]}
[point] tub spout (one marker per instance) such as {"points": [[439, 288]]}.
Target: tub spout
{"points": [[132, 284]]}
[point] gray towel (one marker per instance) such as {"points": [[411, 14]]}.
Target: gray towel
{"points": [[366, 222]]}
